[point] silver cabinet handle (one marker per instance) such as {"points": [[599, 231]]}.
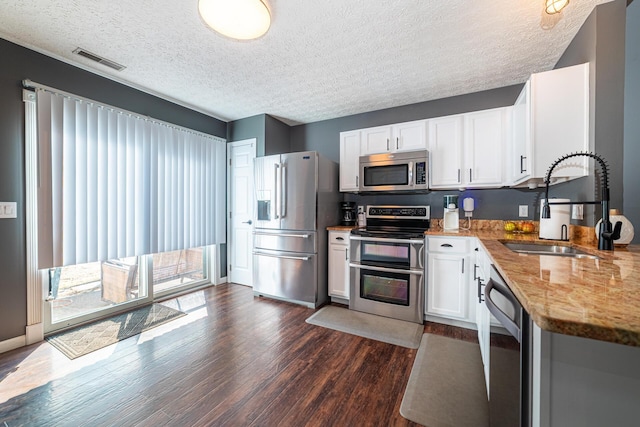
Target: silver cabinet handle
{"points": [[458, 175], [480, 294], [247, 222], [397, 142], [446, 245], [387, 144], [462, 265], [301, 258], [346, 254], [339, 238], [475, 268], [522, 159], [470, 179]]}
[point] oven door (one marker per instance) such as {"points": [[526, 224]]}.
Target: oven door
{"points": [[389, 292]]}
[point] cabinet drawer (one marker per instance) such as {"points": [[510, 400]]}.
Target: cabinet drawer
{"points": [[339, 237], [448, 245]]}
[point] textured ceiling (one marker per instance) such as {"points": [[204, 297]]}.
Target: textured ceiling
{"points": [[320, 59]]}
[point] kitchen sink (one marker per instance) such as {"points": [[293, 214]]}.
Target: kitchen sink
{"points": [[556, 250]]}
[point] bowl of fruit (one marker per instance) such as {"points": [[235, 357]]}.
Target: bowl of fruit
{"points": [[524, 227]]}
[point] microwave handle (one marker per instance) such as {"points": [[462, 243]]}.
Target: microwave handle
{"points": [[411, 174]]}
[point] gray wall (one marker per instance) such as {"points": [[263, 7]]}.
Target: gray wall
{"points": [[19, 63], [631, 178], [272, 135]]}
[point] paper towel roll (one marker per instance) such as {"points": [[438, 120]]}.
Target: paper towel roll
{"points": [[552, 228]]}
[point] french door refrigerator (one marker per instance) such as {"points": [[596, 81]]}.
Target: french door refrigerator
{"points": [[296, 199]]}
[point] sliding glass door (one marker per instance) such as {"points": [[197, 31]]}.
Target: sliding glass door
{"points": [[80, 293]]}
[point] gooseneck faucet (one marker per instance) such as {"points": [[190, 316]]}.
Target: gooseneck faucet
{"points": [[607, 234]]}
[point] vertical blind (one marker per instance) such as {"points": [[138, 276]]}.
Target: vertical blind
{"points": [[113, 184]]}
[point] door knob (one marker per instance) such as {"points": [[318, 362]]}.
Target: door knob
{"points": [[247, 222]]}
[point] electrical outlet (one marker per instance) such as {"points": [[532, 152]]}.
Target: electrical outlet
{"points": [[8, 210], [523, 211], [577, 211]]}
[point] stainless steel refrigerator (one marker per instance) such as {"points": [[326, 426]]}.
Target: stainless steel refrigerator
{"points": [[296, 199]]}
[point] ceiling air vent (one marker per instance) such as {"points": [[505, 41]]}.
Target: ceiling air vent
{"points": [[99, 59]]}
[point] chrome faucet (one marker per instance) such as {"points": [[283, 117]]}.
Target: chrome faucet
{"points": [[607, 234]]}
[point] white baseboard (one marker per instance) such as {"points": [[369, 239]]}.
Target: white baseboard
{"points": [[34, 333], [13, 343]]}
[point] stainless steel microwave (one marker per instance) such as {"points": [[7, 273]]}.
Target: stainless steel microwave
{"points": [[405, 171]]}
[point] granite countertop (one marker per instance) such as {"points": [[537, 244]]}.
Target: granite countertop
{"points": [[341, 227], [598, 299]]}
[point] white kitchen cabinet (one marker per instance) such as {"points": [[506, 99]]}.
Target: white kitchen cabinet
{"points": [[349, 160], [395, 138], [550, 119], [467, 150], [447, 292], [445, 151], [339, 264]]}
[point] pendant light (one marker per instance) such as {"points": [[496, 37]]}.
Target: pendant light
{"points": [[555, 6], [238, 19]]}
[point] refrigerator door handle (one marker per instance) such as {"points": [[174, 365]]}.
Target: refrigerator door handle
{"points": [[300, 258], [283, 192], [301, 236], [276, 173]]}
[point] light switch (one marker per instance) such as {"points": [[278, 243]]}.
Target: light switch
{"points": [[577, 211], [523, 211], [8, 210]]}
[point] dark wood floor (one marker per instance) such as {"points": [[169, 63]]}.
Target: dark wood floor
{"points": [[234, 360]]}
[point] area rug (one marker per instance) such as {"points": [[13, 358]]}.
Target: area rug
{"points": [[93, 336], [391, 331], [446, 387]]}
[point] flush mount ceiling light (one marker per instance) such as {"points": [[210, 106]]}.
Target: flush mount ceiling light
{"points": [[238, 19], [555, 6]]}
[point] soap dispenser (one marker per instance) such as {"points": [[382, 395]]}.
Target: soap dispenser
{"points": [[451, 216]]}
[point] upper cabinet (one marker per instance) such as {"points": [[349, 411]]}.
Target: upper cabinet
{"points": [[349, 160], [551, 119], [400, 137], [466, 150]]}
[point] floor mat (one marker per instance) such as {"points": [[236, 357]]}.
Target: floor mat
{"points": [[392, 331], [446, 386], [93, 336]]}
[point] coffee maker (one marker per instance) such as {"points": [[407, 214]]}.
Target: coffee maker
{"points": [[348, 213]]}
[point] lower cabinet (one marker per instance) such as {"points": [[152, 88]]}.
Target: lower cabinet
{"points": [[339, 264], [447, 293]]}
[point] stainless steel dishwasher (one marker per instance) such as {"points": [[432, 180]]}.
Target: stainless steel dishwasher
{"points": [[510, 357]]}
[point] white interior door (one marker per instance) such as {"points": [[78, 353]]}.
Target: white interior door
{"points": [[240, 204]]}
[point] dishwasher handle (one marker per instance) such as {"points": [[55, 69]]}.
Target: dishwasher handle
{"points": [[508, 323]]}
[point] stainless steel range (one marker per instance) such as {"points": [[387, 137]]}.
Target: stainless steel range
{"points": [[387, 268]]}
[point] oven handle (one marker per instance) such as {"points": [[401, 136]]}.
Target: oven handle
{"points": [[502, 317], [386, 240], [385, 269]]}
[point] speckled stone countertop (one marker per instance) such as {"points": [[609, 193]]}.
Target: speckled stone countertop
{"points": [[598, 299]]}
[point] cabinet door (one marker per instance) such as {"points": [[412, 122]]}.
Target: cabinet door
{"points": [[447, 285], [445, 151], [375, 140], [521, 137], [484, 148], [349, 160], [560, 119], [409, 136], [339, 264]]}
